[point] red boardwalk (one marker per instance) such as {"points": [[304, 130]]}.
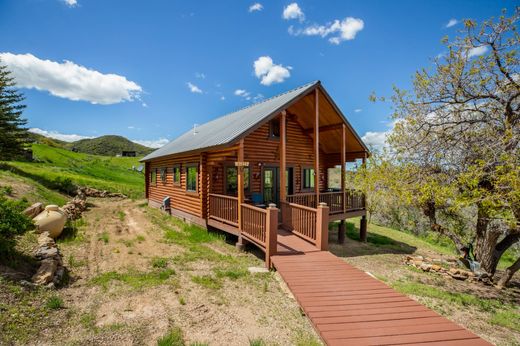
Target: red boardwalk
{"points": [[349, 307]]}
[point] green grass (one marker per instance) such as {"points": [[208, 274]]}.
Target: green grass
{"points": [[159, 262], [104, 237], [172, 338], [54, 303], [231, 273], [135, 279], [508, 318], [101, 172], [207, 281], [257, 342], [36, 192], [121, 215]]}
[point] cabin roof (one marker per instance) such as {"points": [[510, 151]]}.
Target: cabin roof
{"points": [[229, 128]]}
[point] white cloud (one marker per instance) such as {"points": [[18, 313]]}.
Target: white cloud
{"points": [[477, 51], [339, 31], [293, 11], [200, 75], [157, 143], [256, 7], [241, 92], [452, 22], [58, 135], [270, 73], [69, 80], [358, 110], [376, 140], [193, 88], [222, 98], [71, 3]]}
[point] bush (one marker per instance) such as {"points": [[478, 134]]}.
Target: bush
{"points": [[64, 185], [12, 219]]}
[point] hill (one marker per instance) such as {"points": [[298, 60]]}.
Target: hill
{"points": [[59, 169], [110, 145], [52, 142]]}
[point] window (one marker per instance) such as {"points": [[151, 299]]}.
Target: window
{"points": [[163, 172], [308, 178], [232, 180], [153, 176], [191, 178], [274, 128], [177, 175]]}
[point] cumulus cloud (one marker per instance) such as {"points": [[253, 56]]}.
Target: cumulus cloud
{"points": [[241, 92], [358, 110], [270, 73], [256, 7], [293, 11], [376, 140], [155, 143], [69, 80], [71, 3], [58, 135], [193, 88], [200, 75], [477, 51], [452, 22], [337, 31]]}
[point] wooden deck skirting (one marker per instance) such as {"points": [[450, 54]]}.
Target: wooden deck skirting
{"points": [[349, 307]]}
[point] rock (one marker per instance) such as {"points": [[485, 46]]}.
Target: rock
{"points": [[256, 270], [436, 267], [33, 210], [459, 277], [425, 267], [45, 252], [417, 263], [454, 271], [45, 273], [419, 258], [45, 241]]}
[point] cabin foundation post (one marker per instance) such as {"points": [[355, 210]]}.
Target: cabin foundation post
{"points": [[241, 243], [363, 229], [341, 232], [322, 227], [271, 234]]}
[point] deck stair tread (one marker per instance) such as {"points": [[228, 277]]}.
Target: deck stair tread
{"points": [[350, 307]]}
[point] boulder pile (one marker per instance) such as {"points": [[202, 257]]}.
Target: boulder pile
{"points": [[33, 210], [446, 267], [75, 207], [91, 192], [51, 270]]}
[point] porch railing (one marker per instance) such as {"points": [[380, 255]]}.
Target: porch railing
{"points": [[309, 223], [224, 209], [254, 223], [354, 200]]}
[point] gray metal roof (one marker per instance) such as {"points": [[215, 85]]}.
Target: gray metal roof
{"points": [[230, 127]]}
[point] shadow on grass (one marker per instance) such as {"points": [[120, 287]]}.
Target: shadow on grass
{"points": [[15, 265], [376, 243]]}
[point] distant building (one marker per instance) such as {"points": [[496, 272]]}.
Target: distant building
{"points": [[128, 153]]}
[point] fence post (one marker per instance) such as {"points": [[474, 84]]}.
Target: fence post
{"points": [[271, 233], [322, 227]]}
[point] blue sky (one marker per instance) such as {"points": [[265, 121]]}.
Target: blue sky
{"points": [[149, 70]]}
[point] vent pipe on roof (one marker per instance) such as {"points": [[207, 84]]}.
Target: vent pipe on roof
{"points": [[195, 129]]}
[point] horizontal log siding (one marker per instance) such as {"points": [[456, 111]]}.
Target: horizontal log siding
{"points": [[180, 198], [258, 147]]}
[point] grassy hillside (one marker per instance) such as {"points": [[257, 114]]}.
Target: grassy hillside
{"points": [[108, 145], [57, 168]]}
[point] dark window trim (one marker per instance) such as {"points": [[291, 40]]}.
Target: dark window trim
{"points": [[188, 166], [302, 179], [153, 174], [176, 183], [271, 131], [232, 165]]}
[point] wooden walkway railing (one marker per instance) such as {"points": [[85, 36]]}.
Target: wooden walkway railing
{"points": [[354, 200], [309, 223], [224, 209], [257, 225]]}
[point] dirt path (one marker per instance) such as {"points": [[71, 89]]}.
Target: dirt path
{"points": [[131, 285]]}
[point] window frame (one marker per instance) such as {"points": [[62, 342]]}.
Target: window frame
{"points": [[188, 166], [163, 173], [246, 190], [303, 187], [178, 168], [271, 129], [153, 177]]}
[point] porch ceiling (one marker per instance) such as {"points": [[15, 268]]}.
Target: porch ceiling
{"points": [[330, 122]]}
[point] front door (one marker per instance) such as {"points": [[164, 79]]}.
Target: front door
{"points": [[271, 185]]}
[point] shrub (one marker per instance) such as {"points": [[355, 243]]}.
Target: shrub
{"points": [[12, 219], [64, 185]]}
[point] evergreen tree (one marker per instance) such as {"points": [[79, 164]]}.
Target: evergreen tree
{"points": [[13, 136]]}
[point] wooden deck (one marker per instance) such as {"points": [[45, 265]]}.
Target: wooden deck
{"points": [[349, 307]]}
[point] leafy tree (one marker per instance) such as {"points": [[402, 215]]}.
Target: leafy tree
{"points": [[457, 138], [13, 137]]}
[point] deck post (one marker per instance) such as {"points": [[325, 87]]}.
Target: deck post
{"points": [[240, 182], [341, 232], [322, 227], [317, 147], [363, 229], [271, 233], [283, 140], [343, 154]]}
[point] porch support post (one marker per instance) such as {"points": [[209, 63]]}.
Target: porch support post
{"points": [[343, 158], [283, 143], [240, 178], [363, 222], [271, 234], [341, 232], [317, 147], [322, 227]]}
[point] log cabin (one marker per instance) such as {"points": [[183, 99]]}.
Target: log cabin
{"points": [[263, 168]]}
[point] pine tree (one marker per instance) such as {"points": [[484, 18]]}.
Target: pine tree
{"points": [[13, 136]]}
